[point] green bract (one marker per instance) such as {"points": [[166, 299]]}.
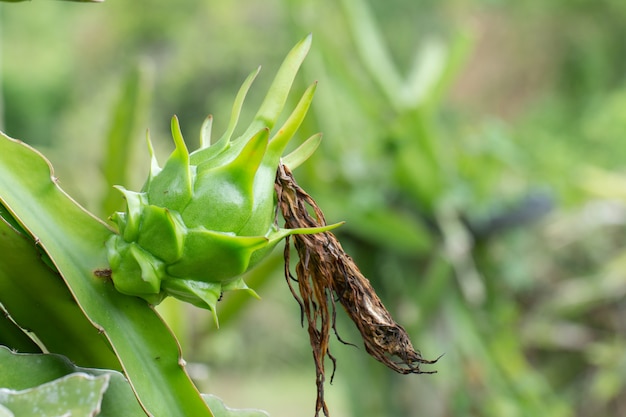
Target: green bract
{"points": [[206, 217]]}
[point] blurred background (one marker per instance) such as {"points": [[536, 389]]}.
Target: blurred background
{"points": [[475, 150]]}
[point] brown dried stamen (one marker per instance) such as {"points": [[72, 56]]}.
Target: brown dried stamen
{"points": [[324, 270]]}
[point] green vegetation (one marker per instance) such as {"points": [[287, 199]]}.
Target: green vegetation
{"points": [[474, 151]]}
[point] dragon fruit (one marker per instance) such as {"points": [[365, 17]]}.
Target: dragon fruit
{"points": [[206, 217]]}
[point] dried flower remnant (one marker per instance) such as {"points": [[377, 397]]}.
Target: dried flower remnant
{"points": [[326, 274]]}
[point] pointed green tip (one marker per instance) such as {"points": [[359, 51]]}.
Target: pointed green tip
{"points": [[205, 132], [215, 319], [303, 152], [177, 135], [281, 233], [149, 143], [154, 163], [308, 40]]}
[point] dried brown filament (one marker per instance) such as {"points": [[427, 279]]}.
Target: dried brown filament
{"points": [[325, 273]]}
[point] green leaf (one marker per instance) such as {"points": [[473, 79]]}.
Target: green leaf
{"points": [[27, 281], [76, 395], [74, 240], [220, 410], [427, 68], [456, 56], [23, 371], [372, 49], [12, 335], [5, 412]]}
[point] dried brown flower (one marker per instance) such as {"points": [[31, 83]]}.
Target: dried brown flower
{"points": [[326, 274]]}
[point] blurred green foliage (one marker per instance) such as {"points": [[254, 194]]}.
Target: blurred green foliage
{"points": [[474, 149]]}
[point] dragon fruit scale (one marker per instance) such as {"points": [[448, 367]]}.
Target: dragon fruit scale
{"points": [[206, 217]]}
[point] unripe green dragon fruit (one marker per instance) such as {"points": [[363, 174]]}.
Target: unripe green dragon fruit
{"points": [[208, 216]]}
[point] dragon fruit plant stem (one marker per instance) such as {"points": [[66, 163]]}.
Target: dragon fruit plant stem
{"points": [[206, 217]]}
